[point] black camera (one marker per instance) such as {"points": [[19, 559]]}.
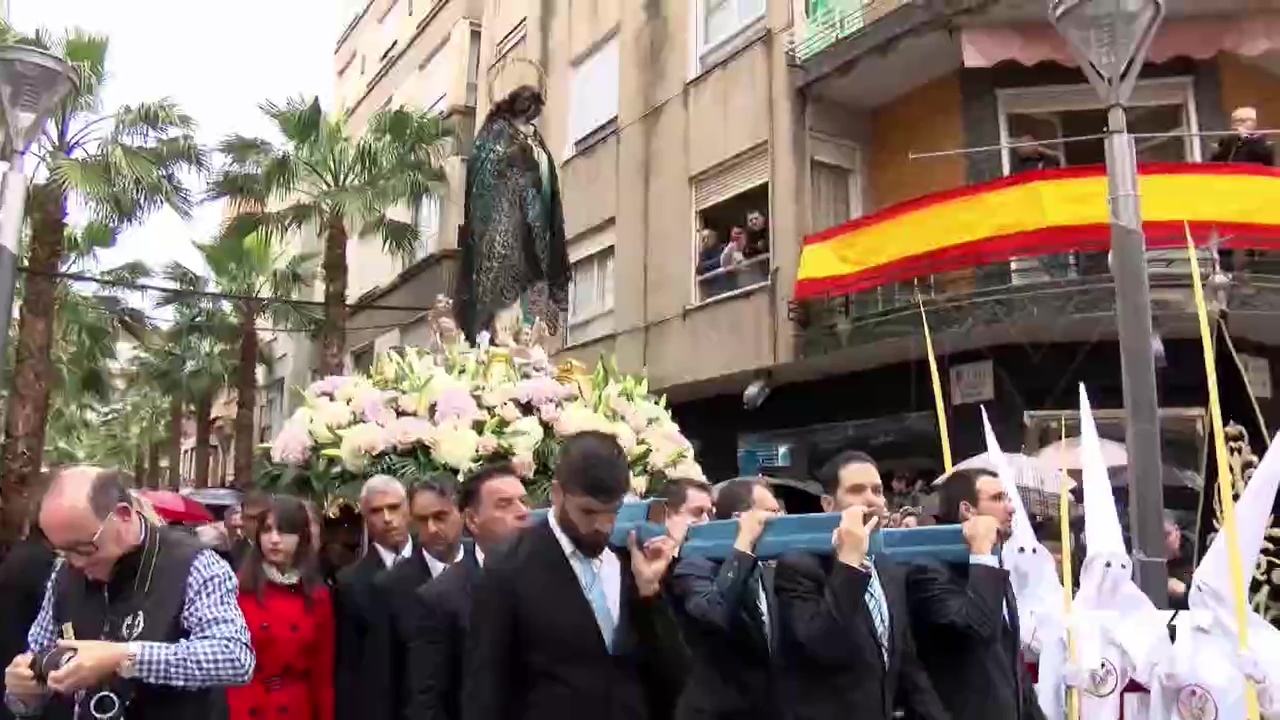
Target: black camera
{"points": [[52, 659]]}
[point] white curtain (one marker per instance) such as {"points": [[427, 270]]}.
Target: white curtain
{"points": [[830, 195]]}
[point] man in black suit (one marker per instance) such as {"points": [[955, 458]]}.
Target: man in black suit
{"points": [[846, 637], [384, 505], [965, 616], [494, 508], [24, 573], [728, 613], [433, 508], [562, 625]]}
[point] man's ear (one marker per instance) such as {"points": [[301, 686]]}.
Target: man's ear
{"points": [[966, 510], [828, 503]]}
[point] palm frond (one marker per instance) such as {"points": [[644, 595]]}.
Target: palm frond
{"points": [[299, 119]]}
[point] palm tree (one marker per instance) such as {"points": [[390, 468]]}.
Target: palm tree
{"points": [[119, 167], [254, 272], [325, 179]]}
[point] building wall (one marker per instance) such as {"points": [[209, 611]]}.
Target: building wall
{"points": [[927, 118], [421, 54], [1244, 83], [634, 188]]}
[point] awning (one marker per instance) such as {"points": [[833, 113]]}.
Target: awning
{"points": [[1035, 213], [1250, 35]]}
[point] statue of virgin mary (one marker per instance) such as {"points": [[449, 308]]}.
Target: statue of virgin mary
{"points": [[514, 266]]}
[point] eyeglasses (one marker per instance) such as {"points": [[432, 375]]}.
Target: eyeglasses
{"points": [[88, 548]]}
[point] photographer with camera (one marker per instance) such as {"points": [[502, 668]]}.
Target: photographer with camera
{"points": [[138, 620]]}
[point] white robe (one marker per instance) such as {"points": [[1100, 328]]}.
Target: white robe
{"points": [[1200, 677]]}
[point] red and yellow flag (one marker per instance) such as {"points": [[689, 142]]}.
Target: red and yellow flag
{"points": [[1036, 213]]}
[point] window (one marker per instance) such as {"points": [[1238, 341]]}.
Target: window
{"points": [[731, 239], [508, 43], [271, 413], [719, 23], [426, 217], [593, 96], [1051, 114], [435, 80], [473, 67], [835, 193], [590, 296], [362, 359]]}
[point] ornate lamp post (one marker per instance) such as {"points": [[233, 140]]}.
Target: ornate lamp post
{"points": [[32, 84], [1110, 40]]}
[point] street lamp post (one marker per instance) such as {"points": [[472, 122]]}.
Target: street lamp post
{"points": [[1110, 40], [32, 84]]}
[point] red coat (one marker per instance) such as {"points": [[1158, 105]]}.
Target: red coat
{"points": [[293, 677]]}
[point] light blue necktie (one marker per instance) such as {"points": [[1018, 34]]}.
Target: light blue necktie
{"points": [[594, 589], [879, 608]]}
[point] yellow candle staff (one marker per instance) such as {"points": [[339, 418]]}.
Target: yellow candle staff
{"points": [[1224, 472], [937, 390], [1064, 530]]}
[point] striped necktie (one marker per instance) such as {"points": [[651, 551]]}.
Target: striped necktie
{"points": [[878, 606]]}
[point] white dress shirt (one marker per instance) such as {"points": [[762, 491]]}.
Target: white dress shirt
{"points": [[607, 568], [390, 558], [479, 555], [438, 567]]}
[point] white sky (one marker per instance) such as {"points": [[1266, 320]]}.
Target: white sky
{"points": [[218, 60]]}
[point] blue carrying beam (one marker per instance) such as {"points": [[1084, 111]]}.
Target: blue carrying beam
{"points": [[812, 533], [631, 516], [808, 533]]}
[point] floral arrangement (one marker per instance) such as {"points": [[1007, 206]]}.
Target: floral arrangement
{"points": [[419, 412]]}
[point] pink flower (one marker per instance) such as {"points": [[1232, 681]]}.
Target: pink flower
{"points": [[326, 386], [406, 432], [540, 391], [549, 413], [292, 446], [455, 403], [374, 409], [488, 445], [524, 465]]}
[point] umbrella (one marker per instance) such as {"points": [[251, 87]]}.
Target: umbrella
{"points": [[175, 508], [1066, 454], [1037, 480]]}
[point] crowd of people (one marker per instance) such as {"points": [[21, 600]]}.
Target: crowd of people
{"points": [[465, 608]]}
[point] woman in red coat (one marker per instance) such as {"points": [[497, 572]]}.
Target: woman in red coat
{"points": [[286, 606]]}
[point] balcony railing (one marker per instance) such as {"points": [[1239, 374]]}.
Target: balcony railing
{"points": [[831, 20]]}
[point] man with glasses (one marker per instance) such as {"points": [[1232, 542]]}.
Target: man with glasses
{"points": [[150, 614]]}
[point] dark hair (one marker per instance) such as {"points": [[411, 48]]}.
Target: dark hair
{"points": [[829, 473], [736, 496], [961, 486], [293, 518], [675, 492], [592, 463], [107, 490], [442, 483], [473, 484], [254, 504], [506, 107]]}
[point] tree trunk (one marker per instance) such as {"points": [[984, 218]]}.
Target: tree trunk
{"points": [[139, 466], [246, 398], [175, 442], [153, 465], [204, 430], [333, 334], [29, 387]]}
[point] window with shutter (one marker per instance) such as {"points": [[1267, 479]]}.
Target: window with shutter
{"points": [[591, 287], [593, 95], [720, 25], [434, 74], [731, 250]]}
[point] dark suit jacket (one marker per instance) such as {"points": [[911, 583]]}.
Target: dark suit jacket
{"points": [[395, 620], [24, 573], [831, 658], [717, 605], [972, 654], [534, 650], [434, 685], [355, 615]]}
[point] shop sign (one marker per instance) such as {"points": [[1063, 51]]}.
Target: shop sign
{"points": [[972, 383]]}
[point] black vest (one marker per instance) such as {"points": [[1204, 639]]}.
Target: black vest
{"points": [[142, 602]]}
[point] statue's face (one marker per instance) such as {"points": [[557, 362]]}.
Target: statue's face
{"points": [[526, 104]]}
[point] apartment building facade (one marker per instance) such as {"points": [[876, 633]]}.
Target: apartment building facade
{"points": [[680, 125]]}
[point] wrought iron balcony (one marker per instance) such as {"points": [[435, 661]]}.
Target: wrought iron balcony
{"points": [[832, 20]]}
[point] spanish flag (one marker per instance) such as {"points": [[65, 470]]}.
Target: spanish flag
{"points": [[1036, 213]]}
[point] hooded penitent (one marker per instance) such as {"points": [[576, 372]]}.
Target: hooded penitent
{"points": [[1034, 576], [1032, 569], [1116, 628], [1202, 678]]}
